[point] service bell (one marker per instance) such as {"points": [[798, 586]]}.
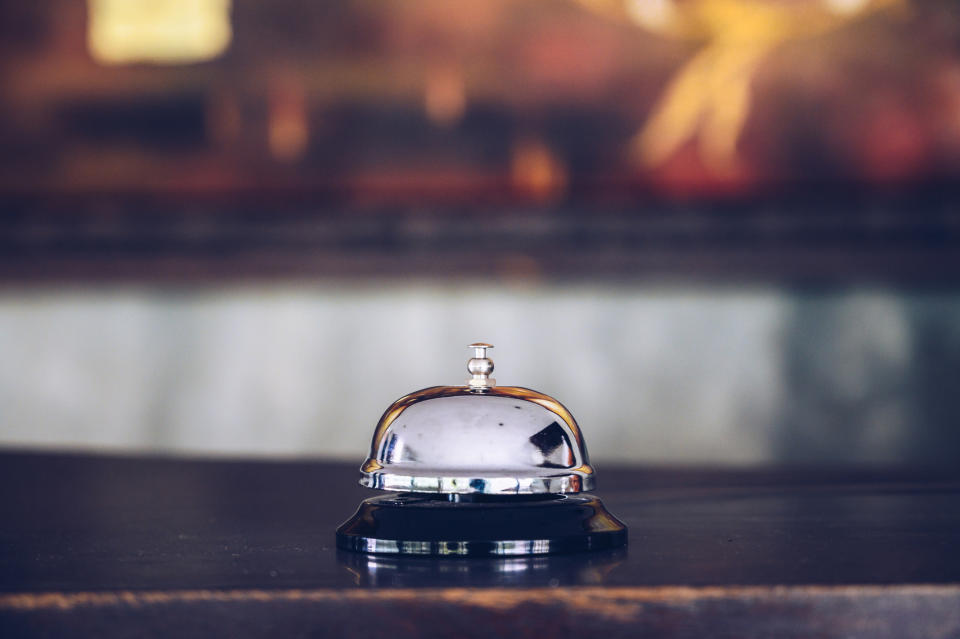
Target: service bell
{"points": [[479, 469]]}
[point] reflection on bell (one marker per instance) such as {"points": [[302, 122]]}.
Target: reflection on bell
{"points": [[531, 571], [479, 469]]}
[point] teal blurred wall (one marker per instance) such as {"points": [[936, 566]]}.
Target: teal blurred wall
{"points": [[748, 375]]}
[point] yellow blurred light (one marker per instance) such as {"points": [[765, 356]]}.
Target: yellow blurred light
{"points": [[652, 14], [846, 7], [157, 31], [709, 99]]}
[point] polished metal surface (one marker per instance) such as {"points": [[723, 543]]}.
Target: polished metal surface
{"points": [[478, 438], [485, 526], [480, 366], [531, 571]]}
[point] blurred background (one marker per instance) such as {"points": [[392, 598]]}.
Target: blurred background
{"points": [[720, 231]]}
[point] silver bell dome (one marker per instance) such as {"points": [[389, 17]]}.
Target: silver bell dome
{"points": [[478, 438]]}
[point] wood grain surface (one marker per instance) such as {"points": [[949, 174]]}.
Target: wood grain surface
{"points": [[126, 546]]}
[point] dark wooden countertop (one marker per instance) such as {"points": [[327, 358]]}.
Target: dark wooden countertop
{"points": [[124, 546]]}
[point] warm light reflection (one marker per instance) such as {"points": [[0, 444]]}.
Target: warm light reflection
{"points": [[709, 98], [537, 171], [652, 14], [445, 94], [288, 129], [157, 31], [846, 7]]}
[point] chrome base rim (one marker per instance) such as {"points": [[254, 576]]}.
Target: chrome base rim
{"points": [[417, 525]]}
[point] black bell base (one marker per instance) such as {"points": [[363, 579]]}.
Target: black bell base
{"points": [[493, 526]]}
